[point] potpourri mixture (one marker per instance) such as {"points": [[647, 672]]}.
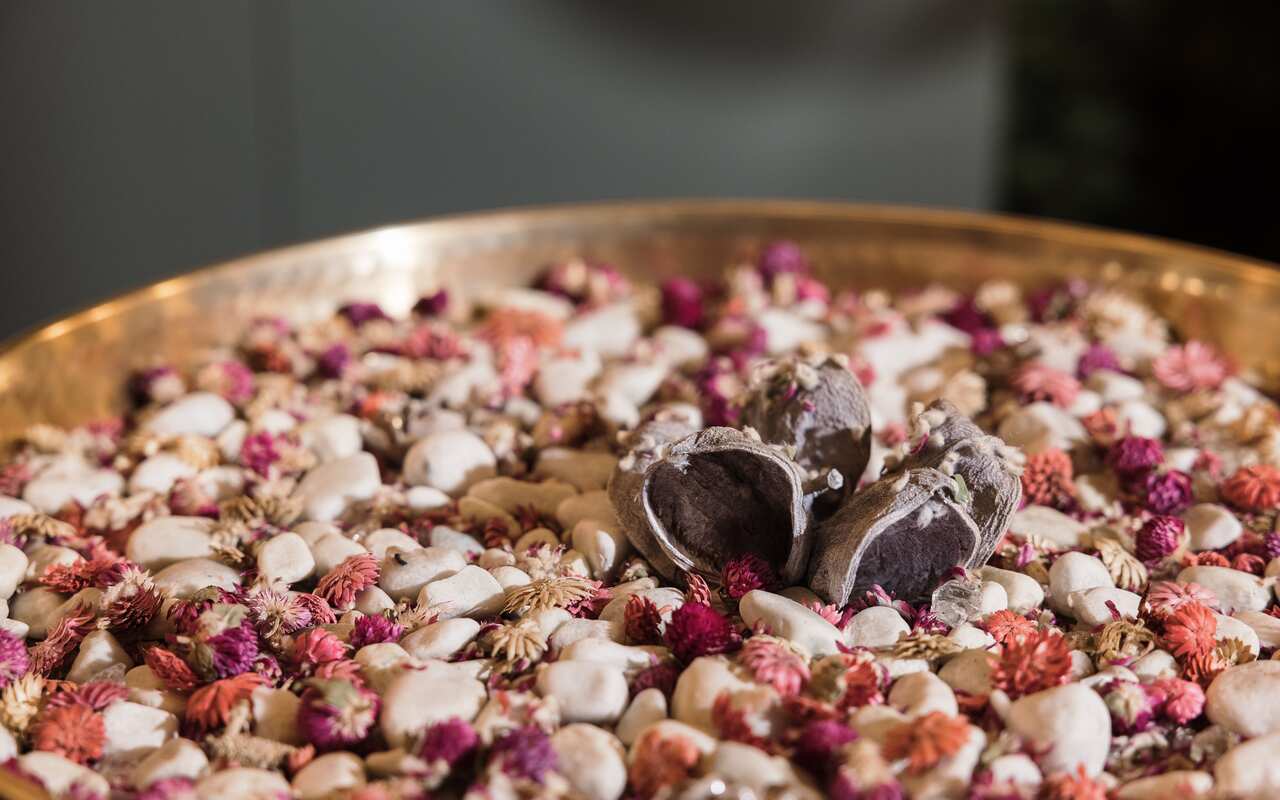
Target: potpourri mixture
{"points": [[751, 538]]}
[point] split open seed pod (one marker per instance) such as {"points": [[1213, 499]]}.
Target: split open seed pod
{"points": [[903, 533], [694, 504], [816, 406], [947, 440]]}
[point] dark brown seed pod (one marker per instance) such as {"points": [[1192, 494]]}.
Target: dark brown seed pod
{"points": [[903, 533], [817, 407], [947, 440], [696, 503]]}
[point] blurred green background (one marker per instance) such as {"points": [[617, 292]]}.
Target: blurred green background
{"points": [[142, 138]]}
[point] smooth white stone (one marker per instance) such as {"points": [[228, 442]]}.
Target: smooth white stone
{"points": [[971, 637], [1264, 626], [328, 774], [1211, 527], [605, 548], [99, 650], [418, 698], [1090, 606], [588, 505], [134, 730], [1038, 427], [637, 382], [575, 630], [60, 774], [1075, 572], [329, 488], [608, 331], [680, 346], [404, 573], [145, 688], [1069, 723], [331, 438], [563, 379], [448, 538], [627, 658], [921, 693], [792, 621], [35, 608], [968, 672], [242, 782], [42, 556], [70, 479], [158, 473], [592, 760], [585, 692], [470, 592], [1140, 419], [1047, 523], [286, 558], [13, 567], [992, 597], [1022, 590], [1184, 784], [199, 413], [176, 758], [167, 540], [510, 577], [441, 639], [275, 714], [449, 460], [1235, 590], [424, 498], [1245, 699], [585, 470], [11, 506], [647, 707], [1232, 628], [185, 578], [1250, 770], [877, 626], [1156, 664], [330, 551], [698, 687]]}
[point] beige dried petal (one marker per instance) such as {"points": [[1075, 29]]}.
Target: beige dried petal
{"points": [[549, 593], [1125, 569]]}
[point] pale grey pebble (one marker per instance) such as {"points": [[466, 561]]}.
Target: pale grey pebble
{"points": [[1075, 572], [327, 490], [242, 782], [449, 460], [185, 578], [167, 540], [790, 620], [1234, 590], [1211, 526], [877, 626], [1265, 626]]}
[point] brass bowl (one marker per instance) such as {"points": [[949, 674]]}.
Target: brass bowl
{"points": [[73, 370]]}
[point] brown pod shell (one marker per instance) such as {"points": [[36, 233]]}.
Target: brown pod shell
{"points": [[903, 533], [816, 407], [645, 446], [709, 497], [990, 469]]}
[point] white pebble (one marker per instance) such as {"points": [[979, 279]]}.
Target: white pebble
{"points": [[418, 698], [1156, 664], [565, 378], [1234, 590], [588, 505], [698, 687], [13, 567], [575, 630], [1049, 524], [35, 608], [586, 470], [441, 639], [60, 774], [1041, 426], [585, 692], [188, 577], [147, 689], [199, 413], [646, 708], [1022, 590], [608, 331], [1265, 627], [971, 637], [167, 540], [404, 573], [470, 592], [1069, 723], [968, 672], [877, 626], [285, 558], [1075, 572], [331, 438], [383, 539], [158, 473], [450, 461], [510, 577], [448, 538], [1090, 606], [1245, 699], [242, 782], [134, 730], [331, 550], [922, 693], [176, 758], [1250, 770], [329, 488], [1178, 783], [275, 714], [604, 548], [1232, 628], [99, 650], [1211, 527], [11, 506], [786, 618], [328, 774], [70, 479], [992, 597], [591, 759]]}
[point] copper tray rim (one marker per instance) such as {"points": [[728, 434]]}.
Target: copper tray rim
{"points": [[1043, 229]]}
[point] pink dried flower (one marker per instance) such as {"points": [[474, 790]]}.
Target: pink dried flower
{"points": [[518, 362], [1097, 357], [231, 379], [157, 385], [316, 646], [524, 752], [317, 607], [1132, 455], [781, 258], [773, 663], [1184, 700], [682, 303], [1167, 492], [449, 741], [1194, 365], [1271, 545], [333, 360], [234, 650], [361, 312], [14, 660], [1131, 705], [828, 611], [660, 676], [697, 630], [169, 789], [1166, 597], [746, 573], [336, 714], [100, 571], [1158, 538], [373, 629], [1040, 383], [1248, 562], [434, 304], [259, 452], [96, 695], [718, 384], [696, 589], [342, 583]]}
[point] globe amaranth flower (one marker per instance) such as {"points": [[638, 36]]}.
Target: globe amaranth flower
{"points": [[1255, 488], [660, 676], [336, 714], [697, 630], [14, 660], [1189, 630], [234, 650], [1097, 357], [75, 732], [360, 313], [449, 741], [1027, 664], [333, 360], [1159, 538], [1041, 383], [746, 572], [718, 387], [341, 584], [524, 752], [1194, 365], [926, 740], [1183, 700], [1167, 492], [1132, 706], [683, 303], [1134, 455], [642, 620], [374, 629], [317, 646], [432, 305], [259, 452], [782, 257], [818, 743], [661, 760], [1047, 479], [773, 662]]}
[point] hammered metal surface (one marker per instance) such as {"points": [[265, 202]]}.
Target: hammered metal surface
{"points": [[73, 370]]}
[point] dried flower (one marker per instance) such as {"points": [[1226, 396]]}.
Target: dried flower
{"points": [[1132, 706], [259, 452], [926, 740], [75, 732], [175, 673], [1097, 357], [317, 607], [1006, 625], [1189, 630], [745, 573], [774, 662], [847, 680], [1183, 700], [1165, 597], [682, 303], [697, 630], [1122, 639], [518, 643], [14, 660], [1072, 786], [449, 741], [558, 592], [696, 589], [374, 629], [1047, 479], [1027, 664], [1159, 537], [62, 640], [131, 602], [95, 695], [341, 584], [1126, 570], [20, 701], [1040, 383], [1255, 488], [1133, 455], [1194, 365], [642, 620], [818, 743], [102, 570], [924, 646], [661, 760], [277, 612], [336, 714], [525, 753], [208, 706], [1167, 492], [316, 646], [360, 313]]}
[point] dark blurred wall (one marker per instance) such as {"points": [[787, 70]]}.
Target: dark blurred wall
{"points": [[140, 139]]}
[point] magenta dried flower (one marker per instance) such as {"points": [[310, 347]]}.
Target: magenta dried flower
{"points": [[1132, 707], [697, 630], [234, 650], [259, 452], [1158, 538], [1271, 545], [432, 305], [682, 303], [14, 660], [336, 714], [745, 573], [820, 741], [525, 752], [1097, 357], [660, 676], [845, 787], [360, 313], [1167, 492], [966, 316], [318, 607], [719, 385], [374, 629], [334, 360], [449, 741], [1133, 455], [986, 342], [780, 258]]}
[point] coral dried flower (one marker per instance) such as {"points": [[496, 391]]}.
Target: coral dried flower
{"points": [[1006, 625], [1194, 365], [208, 706], [507, 323], [175, 673], [1027, 664], [1047, 479], [661, 761], [1041, 383], [317, 646], [1072, 786], [341, 584], [75, 732], [1189, 631], [925, 741], [1255, 488], [773, 662]]}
